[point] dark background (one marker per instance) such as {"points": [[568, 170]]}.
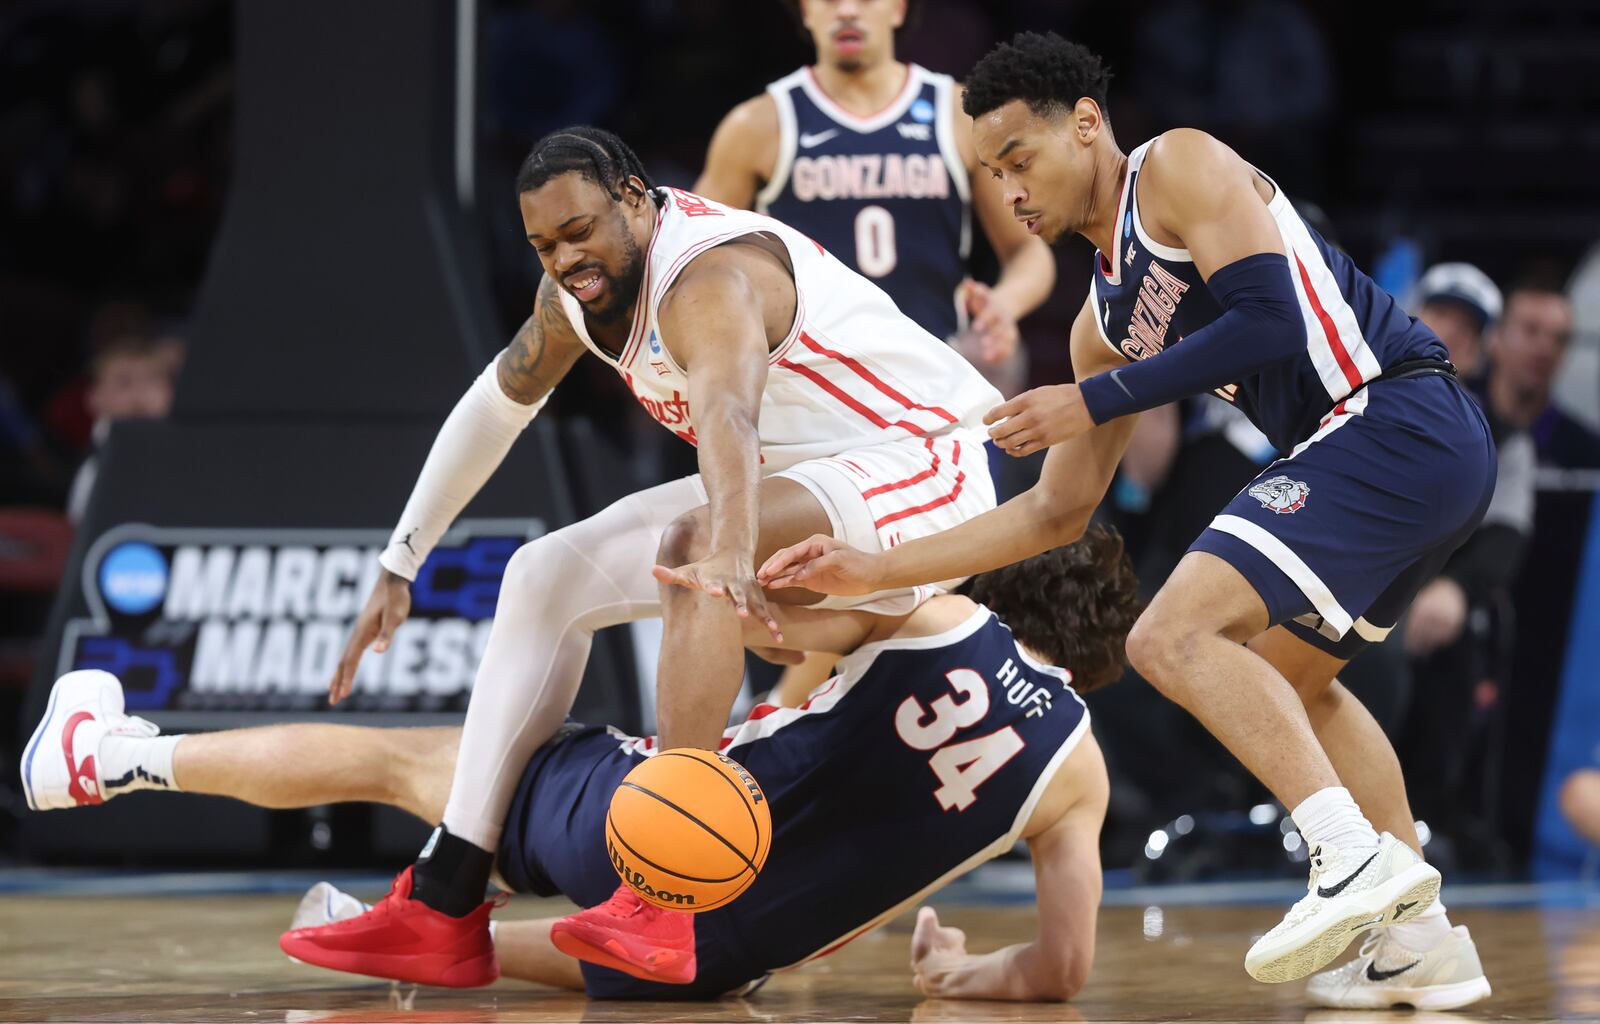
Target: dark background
{"points": [[1425, 131]]}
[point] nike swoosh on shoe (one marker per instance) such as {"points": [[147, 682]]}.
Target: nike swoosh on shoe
{"points": [[1328, 892]]}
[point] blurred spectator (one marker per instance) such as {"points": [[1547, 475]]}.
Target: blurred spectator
{"points": [[1580, 802], [31, 472], [1578, 385], [1458, 301], [1458, 629], [1526, 349], [131, 377]]}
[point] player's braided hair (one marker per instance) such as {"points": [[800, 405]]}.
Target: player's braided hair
{"points": [[1041, 69], [592, 152], [1074, 604]]}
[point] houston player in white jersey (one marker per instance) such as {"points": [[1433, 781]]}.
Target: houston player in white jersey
{"points": [[873, 157], [815, 406]]}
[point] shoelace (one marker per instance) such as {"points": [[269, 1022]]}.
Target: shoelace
{"points": [[1304, 905], [134, 726], [382, 908], [623, 903]]}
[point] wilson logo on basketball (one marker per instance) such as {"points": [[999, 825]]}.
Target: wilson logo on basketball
{"points": [[745, 777], [642, 885]]}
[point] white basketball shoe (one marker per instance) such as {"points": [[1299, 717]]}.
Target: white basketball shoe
{"points": [[60, 764], [325, 903], [1386, 974], [1350, 891]]}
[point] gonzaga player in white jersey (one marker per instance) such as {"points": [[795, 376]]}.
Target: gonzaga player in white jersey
{"points": [[815, 407]]}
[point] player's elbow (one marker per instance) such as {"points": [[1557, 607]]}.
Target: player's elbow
{"points": [[1059, 519], [729, 421], [1064, 980]]}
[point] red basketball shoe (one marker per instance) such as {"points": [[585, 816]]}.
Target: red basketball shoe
{"points": [[403, 939], [629, 935]]}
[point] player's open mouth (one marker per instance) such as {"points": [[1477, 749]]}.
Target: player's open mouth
{"points": [[586, 285], [1032, 223]]}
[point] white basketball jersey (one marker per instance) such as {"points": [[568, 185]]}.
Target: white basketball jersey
{"points": [[853, 371]]}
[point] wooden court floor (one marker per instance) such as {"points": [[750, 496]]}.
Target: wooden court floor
{"points": [[188, 959]]}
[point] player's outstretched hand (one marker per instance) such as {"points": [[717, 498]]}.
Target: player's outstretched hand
{"points": [[387, 607], [935, 951], [1037, 419], [822, 564], [729, 576], [992, 321]]}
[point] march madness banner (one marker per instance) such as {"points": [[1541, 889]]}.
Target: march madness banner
{"points": [[256, 619]]}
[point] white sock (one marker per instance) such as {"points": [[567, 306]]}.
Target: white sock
{"points": [[1426, 931], [1331, 816], [127, 763]]}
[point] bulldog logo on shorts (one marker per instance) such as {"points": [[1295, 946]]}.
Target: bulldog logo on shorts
{"points": [[1281, 494]]}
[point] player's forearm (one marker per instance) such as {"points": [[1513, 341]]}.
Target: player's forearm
{"points": [[471, 445], [1028, 524], [1026, 278], [730, 466], [1260, 326]]}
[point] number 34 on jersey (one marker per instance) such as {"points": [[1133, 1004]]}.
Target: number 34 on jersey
{"points": [[962, 765]]}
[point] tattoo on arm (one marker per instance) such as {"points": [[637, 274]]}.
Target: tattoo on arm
{"points": [[543, 350]]}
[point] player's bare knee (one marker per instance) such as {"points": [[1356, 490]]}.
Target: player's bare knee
{"points": [[1159, 646], [685, 539]]}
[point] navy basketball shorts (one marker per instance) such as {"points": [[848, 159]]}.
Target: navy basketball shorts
{"points": [[1339, 537]]}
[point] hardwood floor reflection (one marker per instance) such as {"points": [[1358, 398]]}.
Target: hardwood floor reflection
{"points": [[216, 960]]}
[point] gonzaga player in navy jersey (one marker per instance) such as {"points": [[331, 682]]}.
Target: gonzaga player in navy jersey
{"points": [[943, 739], [1207, 280], [873, 158]]}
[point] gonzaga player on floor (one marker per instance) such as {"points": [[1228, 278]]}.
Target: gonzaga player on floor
{"points": [[946, 736]]}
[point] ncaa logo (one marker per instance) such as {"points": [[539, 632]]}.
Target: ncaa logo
{"points": [[1280, 494], [655, 342], [133, 578], [922, 111]]}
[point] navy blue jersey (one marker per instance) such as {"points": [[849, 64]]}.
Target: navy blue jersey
{"points": [[887, 194], [1149, 295], [919, 760]]}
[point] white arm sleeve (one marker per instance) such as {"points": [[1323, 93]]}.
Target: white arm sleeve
{"points": [[470, 446]]}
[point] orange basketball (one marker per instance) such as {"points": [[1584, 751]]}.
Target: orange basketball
{"points": [[688, 830]]}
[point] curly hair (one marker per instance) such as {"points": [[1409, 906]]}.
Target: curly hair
{"points": [[595, 153], [1043, 70], [1074, 605]]}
